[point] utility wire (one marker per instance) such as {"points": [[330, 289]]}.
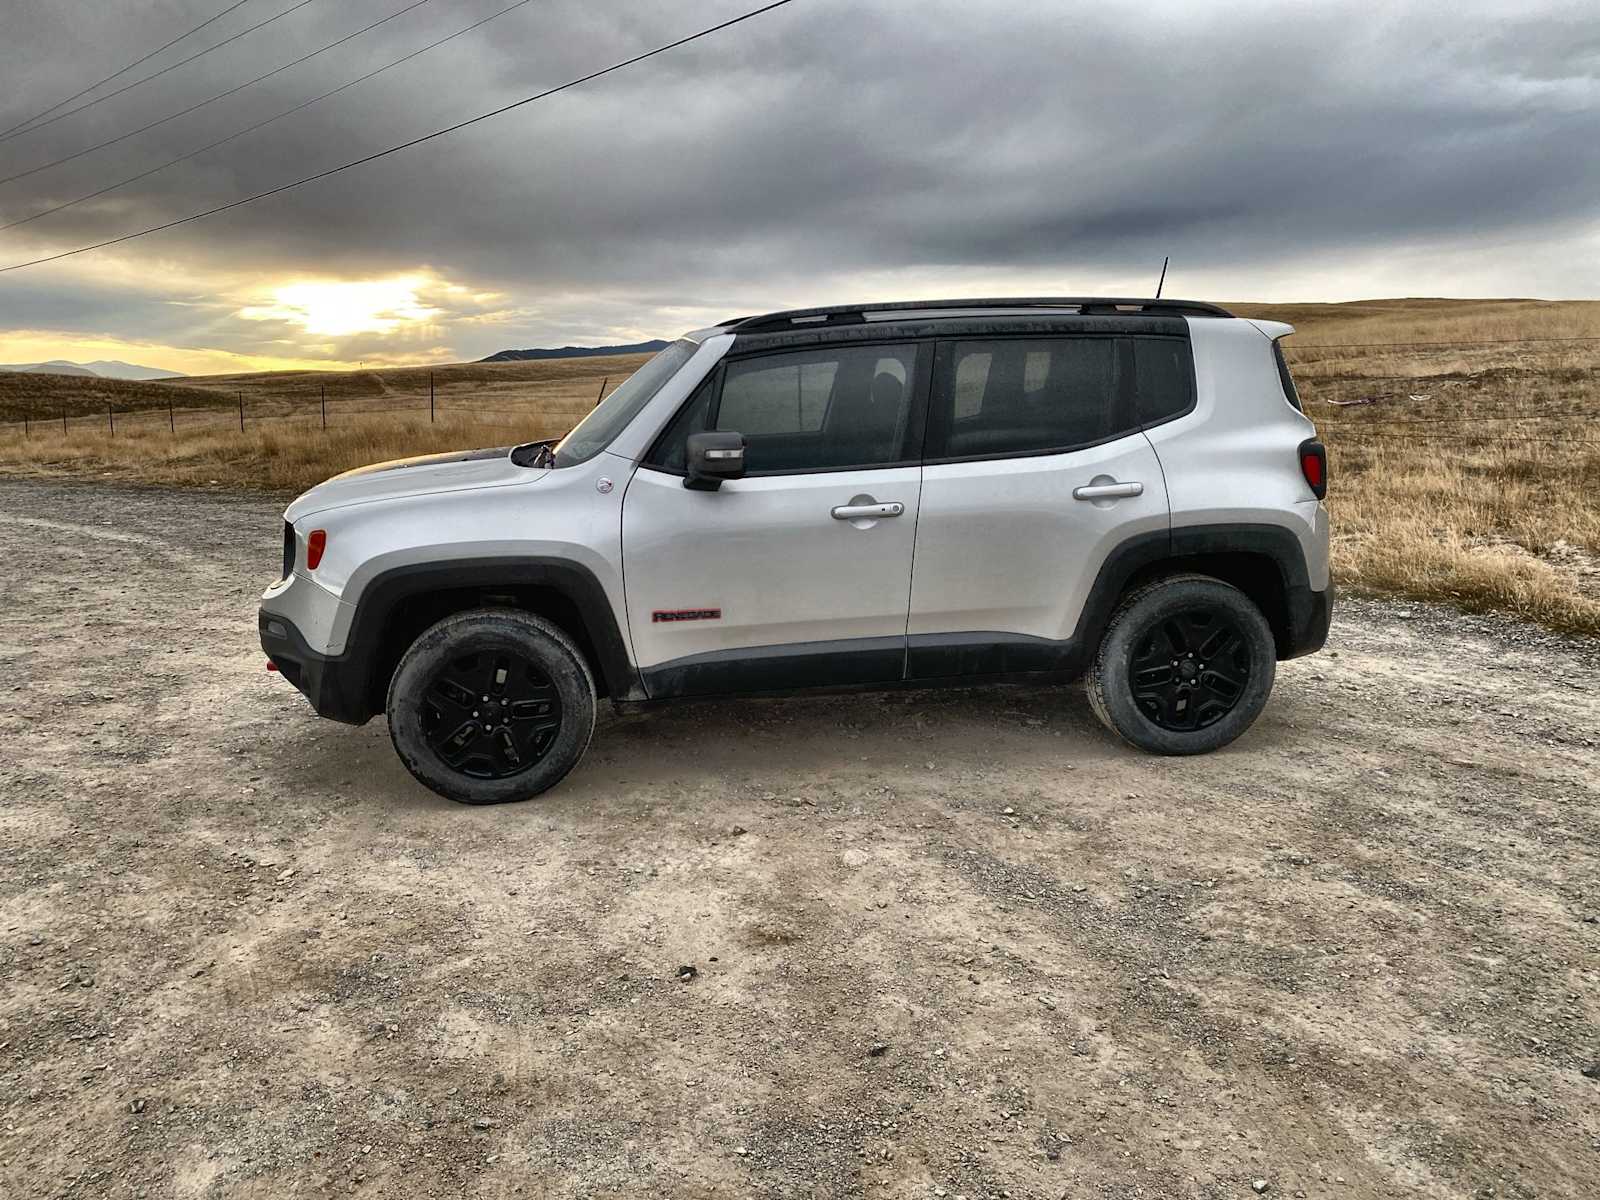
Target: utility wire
{"points": [[417, 141], [124, 71], [154, 74], [260, 124], [219, 96], [1304, 346]]}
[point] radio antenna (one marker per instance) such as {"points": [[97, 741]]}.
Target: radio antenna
{"points": [[1162, 283]]}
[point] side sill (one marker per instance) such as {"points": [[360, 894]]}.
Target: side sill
{"points": [[759, 670]]}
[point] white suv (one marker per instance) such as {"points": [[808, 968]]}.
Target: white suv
{"points": [[869, 496]]}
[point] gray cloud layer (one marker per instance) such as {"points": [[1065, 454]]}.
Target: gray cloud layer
{"points": [[819, 146]]}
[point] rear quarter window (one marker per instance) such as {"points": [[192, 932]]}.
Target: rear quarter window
{"points": [[1290, 392]]}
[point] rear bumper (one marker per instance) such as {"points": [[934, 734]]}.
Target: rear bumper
{"points": [[1310, 614], [335, 687]]}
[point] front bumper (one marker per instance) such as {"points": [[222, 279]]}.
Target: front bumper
{"points": [[336, 687]]}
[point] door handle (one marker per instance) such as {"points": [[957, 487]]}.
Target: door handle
{"points": [[857, 512], [1107, 491]]}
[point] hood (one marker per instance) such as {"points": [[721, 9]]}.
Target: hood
{"points": [[427, 474]]}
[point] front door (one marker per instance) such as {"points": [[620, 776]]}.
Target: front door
{"points": [[799, 574]]}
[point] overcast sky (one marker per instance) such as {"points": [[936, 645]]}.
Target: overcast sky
{"points": [[828, 151]]}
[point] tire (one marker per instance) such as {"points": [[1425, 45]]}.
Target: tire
{"points": [[533, 731], [1189, 620]]}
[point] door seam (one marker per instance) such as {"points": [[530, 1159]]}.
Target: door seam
{"points": [[911, 583]]}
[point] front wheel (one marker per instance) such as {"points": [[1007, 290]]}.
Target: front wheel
{"points": [[491, 706], [1185, 666]]}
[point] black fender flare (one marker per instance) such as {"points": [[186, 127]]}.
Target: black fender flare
{"points": [[1306, 610], [386, 591]]}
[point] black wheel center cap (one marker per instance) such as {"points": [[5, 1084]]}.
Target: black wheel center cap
{"points": [[1187, 669], [491, 711]]}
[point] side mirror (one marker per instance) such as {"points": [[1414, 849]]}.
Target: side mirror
{"points": [[713, 457]]}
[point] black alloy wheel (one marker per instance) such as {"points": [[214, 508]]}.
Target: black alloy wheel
{"points": [[1190, 669], [1185, 665], [491, 715], [491, 706]]}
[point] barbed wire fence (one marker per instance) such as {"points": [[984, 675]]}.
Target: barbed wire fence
{"points": [[1424, 390], [317, 409]]}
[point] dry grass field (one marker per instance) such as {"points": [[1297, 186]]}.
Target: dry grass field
{"points": [[1464, 445]]}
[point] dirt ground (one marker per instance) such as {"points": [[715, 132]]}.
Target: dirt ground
{"points": [[947, 944]]}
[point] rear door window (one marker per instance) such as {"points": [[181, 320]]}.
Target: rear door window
{"points": [[1016, 396], [1163, 370]]}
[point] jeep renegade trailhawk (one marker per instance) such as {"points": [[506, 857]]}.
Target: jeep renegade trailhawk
{"points": [[961, 491]]}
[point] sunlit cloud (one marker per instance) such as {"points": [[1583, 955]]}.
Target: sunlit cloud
{"points": [[344, 308]]}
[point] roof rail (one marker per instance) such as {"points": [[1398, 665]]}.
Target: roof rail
{"points": [[856, 314]]}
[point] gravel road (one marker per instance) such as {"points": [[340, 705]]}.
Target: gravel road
{"points": [[945, 944]]}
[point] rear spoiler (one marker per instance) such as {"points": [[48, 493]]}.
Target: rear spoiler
{"points": [[1272, 330]]}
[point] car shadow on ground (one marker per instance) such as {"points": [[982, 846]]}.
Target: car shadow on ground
{"points": [[793, 741]]}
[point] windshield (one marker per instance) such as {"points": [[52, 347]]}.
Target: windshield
{"points": [[595, 432]]}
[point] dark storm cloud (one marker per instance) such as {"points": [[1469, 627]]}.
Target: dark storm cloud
{"points": [[826, 139]]}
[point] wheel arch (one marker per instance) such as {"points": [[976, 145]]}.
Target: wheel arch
{"points": [[398, 604], [1265, 562]]}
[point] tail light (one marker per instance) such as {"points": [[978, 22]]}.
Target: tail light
{"points": [[316, 543], [1314, 466]]}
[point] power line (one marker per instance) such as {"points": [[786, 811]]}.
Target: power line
{"points": [[124, 71], [427, 137], [146, 79], [219, 96], [1409, 345], [260, 124], [1461, 420], [1495, 439]]}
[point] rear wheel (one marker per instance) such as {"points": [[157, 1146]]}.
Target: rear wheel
{"points": [[491, 706], [1185, 666]]}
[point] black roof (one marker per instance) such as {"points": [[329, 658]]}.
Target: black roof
{"points": [[857, 314]]}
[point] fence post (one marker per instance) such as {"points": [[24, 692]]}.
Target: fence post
{"points": [[324, 406], [27, 413], [241, 410], [430, 397], [111, 419], [172, 421], [602, 394]]}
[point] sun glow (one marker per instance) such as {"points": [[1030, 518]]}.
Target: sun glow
{"points": [[331, 308]]}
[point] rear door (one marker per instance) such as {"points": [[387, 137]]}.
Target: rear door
{"points": [[1036, 467], [771, 582]]}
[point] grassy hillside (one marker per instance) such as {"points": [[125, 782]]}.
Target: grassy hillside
{"points": [[1465, 460]]}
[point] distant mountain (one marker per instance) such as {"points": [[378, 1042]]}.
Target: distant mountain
{"points": [[51, 368], [113, 368], [100, 368], [575, 352]]}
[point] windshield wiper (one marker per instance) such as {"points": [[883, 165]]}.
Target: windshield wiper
{"points": [[535, 454]]}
